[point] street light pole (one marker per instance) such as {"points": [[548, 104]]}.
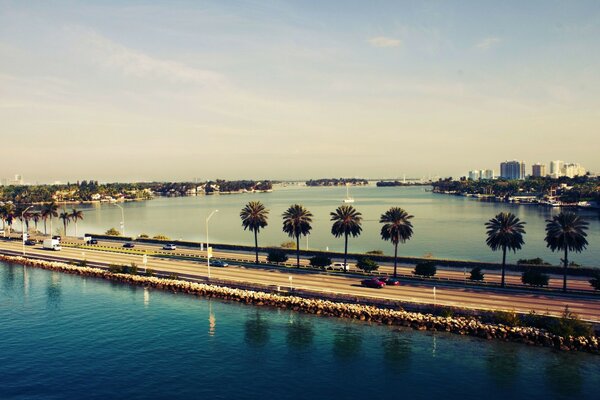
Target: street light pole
{"points": [[23, 233], [207, 248], [122, 219]]}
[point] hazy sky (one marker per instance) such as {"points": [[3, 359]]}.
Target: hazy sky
{"points": [[115, 90]]}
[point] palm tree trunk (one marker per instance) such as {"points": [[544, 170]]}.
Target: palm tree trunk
{"points": [[75, 228], [565, 269], [395, 258], [503, 265], [45, 231], [65, 224], [345, 251], [297, 251], [256, 245]]}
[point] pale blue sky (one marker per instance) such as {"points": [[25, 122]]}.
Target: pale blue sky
{"points": [[258, 89]]}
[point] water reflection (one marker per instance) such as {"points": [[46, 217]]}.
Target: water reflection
{"points": [[212, 321], [53, 290], [257, 330], [347, 342], [25, 281], [300, 332], [146, 297], [563, 375], [502, 363], [397, 351], [9, 276]]}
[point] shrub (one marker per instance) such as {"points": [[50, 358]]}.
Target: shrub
{"points": [[288, 245], [112, 232], [574, 264], [320, 261], [116, 269], [532, 261], [149, 272], [534, 277], [426, 268], [595, 281], [133, 269], [509, 318], [367, 265], [173, 275], [570, 325], [83, 263], [144, 236], [476, 274], [375, 252], [277, 256], [161, 237]]}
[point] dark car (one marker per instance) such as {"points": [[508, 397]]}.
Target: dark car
{"points": [[389, 281], [31, 242], [219, 263], [373, 283], [57, 237], [94, 241], [129, 245]]}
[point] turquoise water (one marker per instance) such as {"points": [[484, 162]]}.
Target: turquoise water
{"points": [[445, 226], [67, 337]]}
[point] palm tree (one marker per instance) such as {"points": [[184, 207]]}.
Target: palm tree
{"points": [[346, 221], [505, 231], [7, 213], [48, 211], [254, 216], [75, 215], [296, 223], [566, 231], [397, 228], [36, 218], [66, 217]]}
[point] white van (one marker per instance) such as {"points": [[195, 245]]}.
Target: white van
{"points": [[51, 244], [340, 266]]}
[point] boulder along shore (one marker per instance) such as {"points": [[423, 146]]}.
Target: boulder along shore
{"points": [[457, 324]]}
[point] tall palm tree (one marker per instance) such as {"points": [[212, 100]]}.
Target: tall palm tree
{"points": [[66, 217], [566, 231], [48, 211], [76, 215], [505, 231], [396, 228], [346, 221], [296, 223], [254, 217]]}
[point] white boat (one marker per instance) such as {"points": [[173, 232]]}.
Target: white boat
{"points": [[348, 199]]}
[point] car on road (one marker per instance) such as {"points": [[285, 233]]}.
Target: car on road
{"points": [[339, 266], [129, 245], [372, 283], [169, 247], [389, 281], [56, 237], [93, 241], [31, 242], [218, 263]]}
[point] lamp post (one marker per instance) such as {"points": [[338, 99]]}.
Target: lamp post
{"points": [[208, 252], [122, 219], [23, 227]]}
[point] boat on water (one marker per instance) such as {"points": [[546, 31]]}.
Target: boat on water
{"points": [[348, 199]]}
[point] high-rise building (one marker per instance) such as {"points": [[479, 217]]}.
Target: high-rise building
{"points": [[486, 174], [556, 167], [573, 169], [474, 175], [512, 169], [538, 170]]}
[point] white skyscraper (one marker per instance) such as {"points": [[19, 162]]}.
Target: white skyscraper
{"points": [[556, 168]]}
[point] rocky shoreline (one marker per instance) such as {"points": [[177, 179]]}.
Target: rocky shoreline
{"points": [[459, 325]]}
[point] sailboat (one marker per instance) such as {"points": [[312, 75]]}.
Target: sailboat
{"points": [[348, 199]]}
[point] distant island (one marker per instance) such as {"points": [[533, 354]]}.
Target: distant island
{"points": [[92, 191], [580, 191], [337, 182], [398, 183]]}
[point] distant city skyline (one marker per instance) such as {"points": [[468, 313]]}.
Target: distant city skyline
{"points": [[125, 91]]}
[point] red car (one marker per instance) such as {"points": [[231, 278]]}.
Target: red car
{"points": [[373, 283], [389, 281]]}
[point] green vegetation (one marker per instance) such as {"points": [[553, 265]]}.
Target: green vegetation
{"points": [[595, 281], [534, 277], [505, 231], [367, 265], [297, 222], [426, 268], [564, 232], [112, 232], [532, 261], [346, 221], [336, 182], [476, 274], [144, 236], [320, 261], [254, 217], [288, 245], [570, 325], [396, 228], [375, 252], [277, 256], [161, 237], [508, 318], [149, 272]]}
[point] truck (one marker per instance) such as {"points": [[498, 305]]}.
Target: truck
{"points": [[51, 244]]}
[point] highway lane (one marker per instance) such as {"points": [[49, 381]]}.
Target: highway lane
{"points": [[588, 307]]}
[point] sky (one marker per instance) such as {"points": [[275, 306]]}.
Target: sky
{"points": [[178, 90]]}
